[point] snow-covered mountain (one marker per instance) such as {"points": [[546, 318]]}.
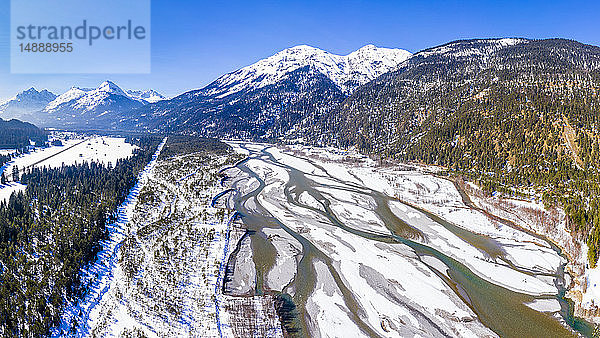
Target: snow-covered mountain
{"points": [[25, 103], [346, 71], [271, 96], [149, 95], [88, 99], [266, 98], [477, 48], [99, 107]]}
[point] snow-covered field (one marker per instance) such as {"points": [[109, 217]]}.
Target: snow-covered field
{"points": [[76, 151], [591, 296], [340, 210]]}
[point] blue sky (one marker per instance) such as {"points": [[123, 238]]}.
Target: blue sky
{"points": [[193, 42]]}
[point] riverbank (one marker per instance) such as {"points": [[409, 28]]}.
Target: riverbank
{"points": [[344, 208], [551, 223], [528, 215]]}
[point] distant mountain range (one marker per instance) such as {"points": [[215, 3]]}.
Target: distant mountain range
{"points": [[269, 97], [25, 103], [346, 71], [78, 107]]}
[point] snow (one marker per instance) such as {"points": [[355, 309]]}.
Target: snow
{"points": [[95, 97], [445, 241], [301, 165], [545, 305], [7, 151], [500, 254], [102, 149], [361, 66], [327, 305], [532, 214], [150, 96], [244, 277], [7, 190], [591, 296], [288, 249], [72, 94], [307, 199], [162, 271], [355, 211], [88, 99], [6, 101], [381, 294], [101, 272], [451, 50]]}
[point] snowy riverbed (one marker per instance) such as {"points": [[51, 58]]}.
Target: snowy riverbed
{"points": [[339, 209]]}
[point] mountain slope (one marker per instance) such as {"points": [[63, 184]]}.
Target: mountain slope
{"points": [[266, 111], [268, 98], [347, 71], [504, 112], [428, 88], [25, 103]]}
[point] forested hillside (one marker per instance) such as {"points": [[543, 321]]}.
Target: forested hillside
{"points": [[515, 115], [15, 134], [266, 112], [53, 229]]}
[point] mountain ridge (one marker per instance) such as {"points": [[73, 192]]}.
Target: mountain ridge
{"points": [[268, 97], [359, 66], [79, 106], [25, 102]]}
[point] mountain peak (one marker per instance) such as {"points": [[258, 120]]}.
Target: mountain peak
{"points": [[108, 92], [27, 101], [304, 47], [32, 94], [111, 88], [367, 47], [30, 90], [346, 71]]}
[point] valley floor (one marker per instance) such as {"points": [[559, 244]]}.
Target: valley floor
{"points": [[326, 233], [316, 241], [159, 274], [75, 149]]}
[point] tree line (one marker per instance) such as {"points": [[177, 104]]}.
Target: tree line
{"points": [[53, 229]]}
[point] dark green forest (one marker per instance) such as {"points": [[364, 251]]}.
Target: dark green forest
{"points": [[53, 229], [184, 144]]}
